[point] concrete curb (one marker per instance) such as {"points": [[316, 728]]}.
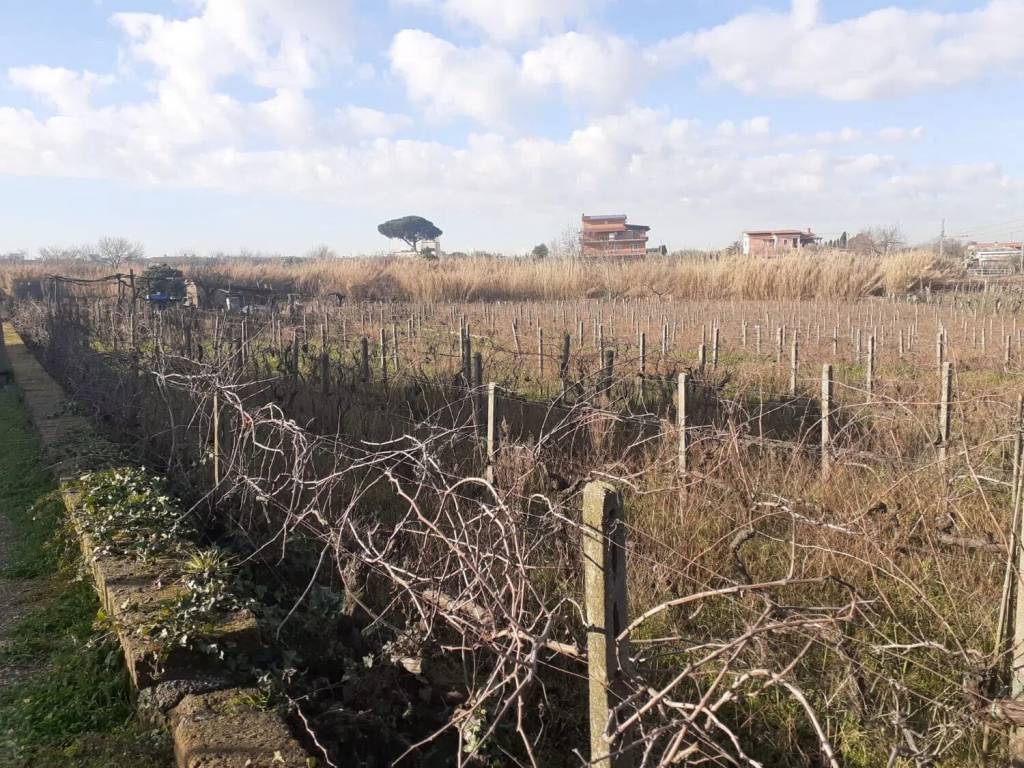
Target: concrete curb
{"points": [[213, 723]]}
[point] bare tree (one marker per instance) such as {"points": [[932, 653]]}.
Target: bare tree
{"points": [[115, 250], [64, 253], [888, 238], [567, 244]]}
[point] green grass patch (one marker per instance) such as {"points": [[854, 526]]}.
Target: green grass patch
{"points": [[73, 707]]}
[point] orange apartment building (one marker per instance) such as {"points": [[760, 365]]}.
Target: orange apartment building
{"points": [[611, 237]]}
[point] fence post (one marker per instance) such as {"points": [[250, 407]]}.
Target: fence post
{"points": [[681, 420], [945, 398], [1016, 742], [794, 365], [607, 371], [604, 578], [216, 440], [478, 394], [540, 351], [871, 366], [492, 430], [826, 419], [563, 364], [364, 359]]}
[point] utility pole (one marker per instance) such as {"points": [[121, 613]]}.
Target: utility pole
{"points": [[942, 240]]}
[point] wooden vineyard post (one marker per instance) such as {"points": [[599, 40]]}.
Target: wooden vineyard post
{"points": [[1016, 745], [826, 419], [394, 346], [364, 359], [604, 580], [563, 364], [492, 430], [383, 356], [757, 339], [325, 361], [466, 350], [1018, 447], [604, 385], [714, 348], [702, 356], [743, 334], [216, 440], [540, 352], [870, 382], [945, 398], [835, 341], [940, 350], [778, 346], [664, 340], [684, 381], [479, 404], [642, 370], [794, 365], [1006, 354]]}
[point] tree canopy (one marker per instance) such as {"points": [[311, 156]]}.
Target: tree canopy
{"points": [[411, 229]]}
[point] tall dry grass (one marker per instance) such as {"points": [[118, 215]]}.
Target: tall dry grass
{"points": [[832, 275]]}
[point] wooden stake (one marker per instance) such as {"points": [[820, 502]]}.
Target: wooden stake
{"points": [[604, 578]]}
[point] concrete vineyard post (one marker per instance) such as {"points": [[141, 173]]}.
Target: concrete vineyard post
{"points": [[826, 419], [702, 355], [604, 579]]}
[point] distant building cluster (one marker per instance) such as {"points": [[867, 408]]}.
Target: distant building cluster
{"points": [[13, 256], [994, 259]]}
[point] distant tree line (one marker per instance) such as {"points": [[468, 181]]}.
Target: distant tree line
{"points": [[112, 251]]}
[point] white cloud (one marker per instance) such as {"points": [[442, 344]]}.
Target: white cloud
{"points": [[488, 84], [598, 69], [68, 91], [901, 134], [363, 122], [512, 19], [481, 83], [883, 53]]}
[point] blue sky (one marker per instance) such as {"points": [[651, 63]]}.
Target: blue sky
{"points": [[206, 125]]}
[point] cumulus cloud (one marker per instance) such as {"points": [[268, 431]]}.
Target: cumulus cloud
{"points": [[488, 84], [64, 89], [481, 83], [882, 53], [504, 20]]}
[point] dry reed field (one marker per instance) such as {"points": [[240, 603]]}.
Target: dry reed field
{"points": [[835, 275], [732, 513]]}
